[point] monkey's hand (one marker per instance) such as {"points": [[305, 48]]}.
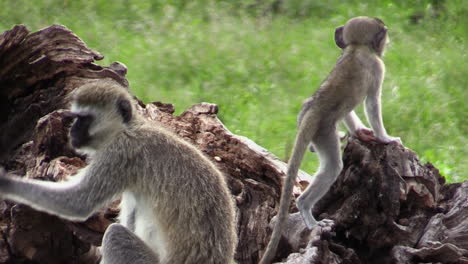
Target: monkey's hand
{"points": [[324, 228], [365, 134], [388, 139]]}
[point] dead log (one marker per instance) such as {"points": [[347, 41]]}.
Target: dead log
{"points": [[386, 207], [37, 71]]}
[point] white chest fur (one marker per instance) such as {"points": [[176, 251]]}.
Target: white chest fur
{"points": [[145, 223]]}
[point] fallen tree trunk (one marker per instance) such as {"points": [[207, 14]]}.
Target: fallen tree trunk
{"points": [[386, 206]]}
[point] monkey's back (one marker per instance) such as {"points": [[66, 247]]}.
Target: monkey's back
{"points": [[188, 197], [346, 86]]}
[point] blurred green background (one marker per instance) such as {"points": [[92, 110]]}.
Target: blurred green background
{"points": [[260, 59]]}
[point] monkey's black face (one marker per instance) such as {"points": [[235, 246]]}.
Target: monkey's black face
{"points": [[79, 132]]}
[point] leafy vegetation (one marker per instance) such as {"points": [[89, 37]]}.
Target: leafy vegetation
{"points": [[258, 60]]}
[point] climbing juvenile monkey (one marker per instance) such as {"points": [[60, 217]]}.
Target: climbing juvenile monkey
{"points": [[357, 76], [176, 207]]}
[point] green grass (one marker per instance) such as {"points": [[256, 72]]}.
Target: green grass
{"points": [[259, 66]]}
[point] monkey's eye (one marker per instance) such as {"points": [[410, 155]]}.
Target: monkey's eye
{"points": [[82, 122], [84, 119], [80, 130]]}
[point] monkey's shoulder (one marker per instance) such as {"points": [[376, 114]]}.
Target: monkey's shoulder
{"points": [[368, 60], [157, 140], [354, 68]]}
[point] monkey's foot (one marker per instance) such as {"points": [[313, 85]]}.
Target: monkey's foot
{"points": [[305, 209], [389, 139], [326, 223], [308, 218], [324, 229], [365, 135]]}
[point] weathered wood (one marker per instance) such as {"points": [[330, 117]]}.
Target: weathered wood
{"points": [[37, 72], [386, 207]]}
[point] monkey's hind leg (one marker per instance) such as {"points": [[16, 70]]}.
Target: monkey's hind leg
{"points": [[327, 146], [121, 246]]}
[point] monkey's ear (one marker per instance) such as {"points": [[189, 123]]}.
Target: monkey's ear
{"points": [[339, 37], [125, 109], [377, 44]]}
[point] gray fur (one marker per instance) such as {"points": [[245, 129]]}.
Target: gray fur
{"points": [[115, 247], [175, 200]]}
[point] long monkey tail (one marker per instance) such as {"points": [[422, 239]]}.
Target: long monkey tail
{"points": [[302, 140]]}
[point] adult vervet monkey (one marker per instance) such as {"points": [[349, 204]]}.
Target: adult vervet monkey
{"points": [[357, 75], [176, 207]]}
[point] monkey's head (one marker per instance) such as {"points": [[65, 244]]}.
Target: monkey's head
{"points": [[368, 31], [102, 110]]}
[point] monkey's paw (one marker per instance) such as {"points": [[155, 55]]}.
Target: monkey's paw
{"points": [[365, 134], [324, 229], [326, 224], [389, 139]]}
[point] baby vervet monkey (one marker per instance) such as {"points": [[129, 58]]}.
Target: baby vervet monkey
{"points": [[357, 76], [175, 208]]}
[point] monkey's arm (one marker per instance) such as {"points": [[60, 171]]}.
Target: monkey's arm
{"points": [[374, 115], [356, 128], [353, 123], [75, 199]]}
